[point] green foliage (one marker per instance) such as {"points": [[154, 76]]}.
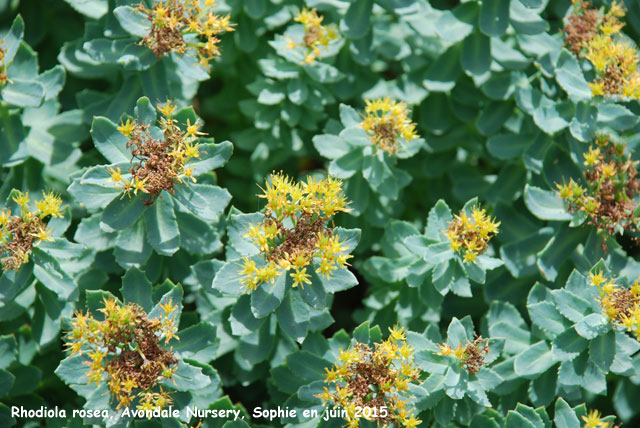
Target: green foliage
{"points": [[458, 131]]}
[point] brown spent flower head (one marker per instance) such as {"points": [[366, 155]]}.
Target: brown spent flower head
{"points": [[376, 379], [185, 25], [387, 122], [471, 356], [620, 304], [471, 234], [20, 233], [610, 196], [156, 164], [316, 36], [124, 350], [582, 26], [294, 231]]}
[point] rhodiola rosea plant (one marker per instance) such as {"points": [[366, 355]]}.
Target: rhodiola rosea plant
{"points": [[365, 213]]}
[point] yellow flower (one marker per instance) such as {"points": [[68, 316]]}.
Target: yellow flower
{"points": [[444, 349], [635, 288], [97, 356], [308, 206], [364, 374], [300, 277], [188, 172], [95, 376], [49, 205], [469, 257], [129, 384], [22, 199], [592, 156], [609, 287], [325, 269], [167, 109], [617, 9], [397, 333], [137, 184], [628, 322], [459, 352], [387, 122], [565, 190], [127, 128], [168, 307], [4, 216], [115, 175], [163, 399], [597, 88], [316, 35], [43, 235], [193, 130], [76, 348], [471, 234], [592, 420], [411, 422], [597, 278], [609, 169]]}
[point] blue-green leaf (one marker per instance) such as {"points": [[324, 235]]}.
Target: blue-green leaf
{"points": [[95, 9], [227, 279], [602, 350], [12, 38], [494, 17], [356, 21], [268, 296], [204, 200], [565, 417], [23, 93], [187, 378], [570, 77], [545, 204], [293, 317], [136, 288], [476, 54], [48, 271], [122, 213], [109, 141], [132, 20], [534, 361], [162, 226]]}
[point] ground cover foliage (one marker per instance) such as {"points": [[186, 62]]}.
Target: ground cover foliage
{"points": [[425, 213]]}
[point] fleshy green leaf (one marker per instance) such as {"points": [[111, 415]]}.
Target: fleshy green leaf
{"points": [[109, 141]]}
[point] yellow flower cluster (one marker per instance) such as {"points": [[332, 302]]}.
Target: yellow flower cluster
{"points": [[158, 163], [375, 379], [316, 35], [471, 356], [611, 187], [597, 37], [20, 233], [387, 122], [620, 304], [125, 349], [594, 420], [294, 233], [470, 235], [185, 25], [616, 63]]}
